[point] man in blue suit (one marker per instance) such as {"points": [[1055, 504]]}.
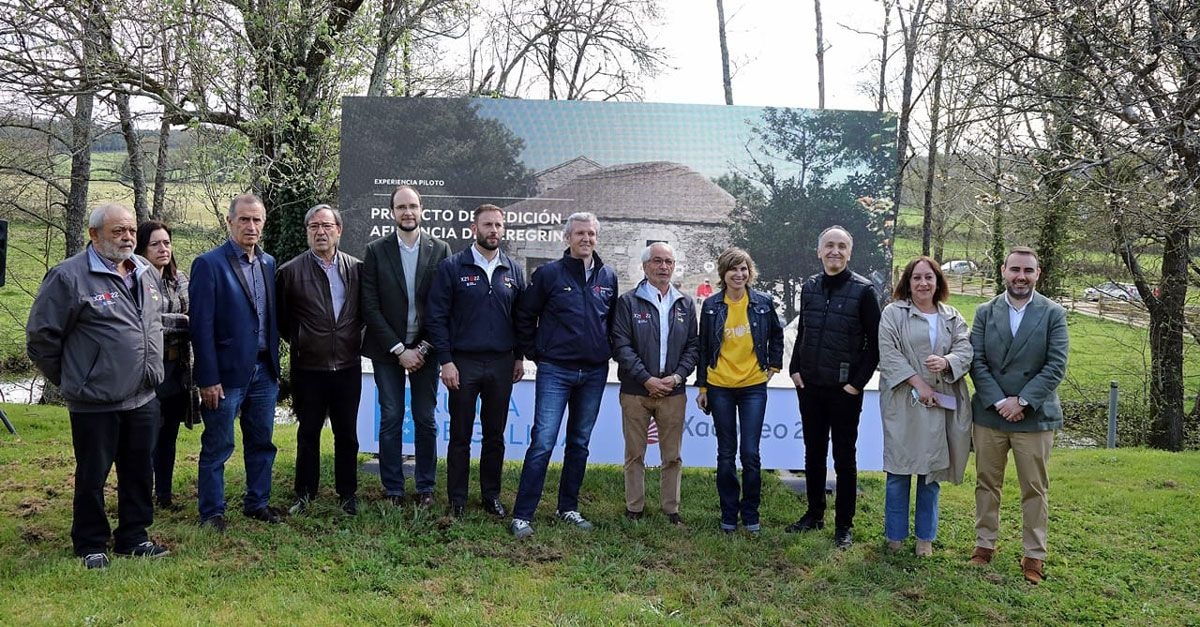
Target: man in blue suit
{"points": [[236, 347]]}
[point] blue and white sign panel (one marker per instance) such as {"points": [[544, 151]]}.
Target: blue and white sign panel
{"points": [[782, 439]]}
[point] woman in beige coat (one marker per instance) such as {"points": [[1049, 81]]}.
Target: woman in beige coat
{"points": [[924, 353]]}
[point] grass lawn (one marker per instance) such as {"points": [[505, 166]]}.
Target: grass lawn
{"points": [[1125, 548]]}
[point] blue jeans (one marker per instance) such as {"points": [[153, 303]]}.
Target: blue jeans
{"points": [[422, 385], [256, 405], [558, 389], [738, 411], [895, 517]]}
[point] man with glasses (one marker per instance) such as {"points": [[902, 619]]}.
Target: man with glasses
{"points": [[656, 344], [396, 274], [319, 317]]}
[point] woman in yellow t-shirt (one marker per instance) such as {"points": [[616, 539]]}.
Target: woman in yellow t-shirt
{"points": [[741, 346]]}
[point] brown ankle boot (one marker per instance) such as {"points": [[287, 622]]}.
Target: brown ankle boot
{"points": [[1032, 569], [981, 556]]}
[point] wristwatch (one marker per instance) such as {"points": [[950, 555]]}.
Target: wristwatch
{"points": [[1022, 402], [677, 379]]}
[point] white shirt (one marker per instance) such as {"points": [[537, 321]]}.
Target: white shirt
{"points": [[1015, 316], [488, 266]]}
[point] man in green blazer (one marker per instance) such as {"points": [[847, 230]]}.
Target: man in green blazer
{"points": [[396, 272], [1020, 344]]}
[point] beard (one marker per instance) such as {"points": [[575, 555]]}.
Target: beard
{"points": [[112, 252], [485, 244], [407, 228]]}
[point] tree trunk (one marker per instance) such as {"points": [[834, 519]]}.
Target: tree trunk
{"points": [[727, 78], [911, 32], [820, 56], [935, 111], [883, 56], [81, 133], [160, 170], [1166, 346], [133, 148], [998, 210]]}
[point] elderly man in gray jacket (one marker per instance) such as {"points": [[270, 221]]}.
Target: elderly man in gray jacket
{"points": [[95, 331], [655, 344]]}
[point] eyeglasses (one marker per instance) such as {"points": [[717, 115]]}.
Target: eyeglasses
{"points": [[322, 226], [662, 262]]}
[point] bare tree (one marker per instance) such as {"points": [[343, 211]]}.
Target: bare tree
{"points": [[726, 77], [820, 55]]}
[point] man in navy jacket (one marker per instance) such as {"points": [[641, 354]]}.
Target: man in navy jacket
{"points": [[470, 325], [236, 347], [563, 320]]}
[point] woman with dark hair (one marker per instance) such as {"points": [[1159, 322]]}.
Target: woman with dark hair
{"points": [[174, 393], [924, 351], [741, 346]]}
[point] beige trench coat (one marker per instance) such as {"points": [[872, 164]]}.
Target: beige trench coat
{"points": [[920, 440]]}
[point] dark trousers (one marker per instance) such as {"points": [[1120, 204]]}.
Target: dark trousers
{"points": [[315, 396], [101, 439], [830, 414], [488, 381], [173, 410]]}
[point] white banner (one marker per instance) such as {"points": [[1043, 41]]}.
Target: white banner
{"points": [[782, 438]]}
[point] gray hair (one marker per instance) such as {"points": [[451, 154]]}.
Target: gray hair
{"points": [[96, 219], [247, 199], [646, 254], [836, 227], [337, 215], [580, 216]]}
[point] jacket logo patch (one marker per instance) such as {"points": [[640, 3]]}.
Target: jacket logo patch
{"points": [[601, 291], [104, 299], [641, 318], [469, 280]]}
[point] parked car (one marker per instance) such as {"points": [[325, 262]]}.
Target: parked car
{"points": [[960, 266], [1112, 290]]}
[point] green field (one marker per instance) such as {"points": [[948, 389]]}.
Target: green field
{"points": [[1124, 542]]}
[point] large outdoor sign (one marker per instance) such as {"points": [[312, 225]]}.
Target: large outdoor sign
{"points": [[698, 177]]}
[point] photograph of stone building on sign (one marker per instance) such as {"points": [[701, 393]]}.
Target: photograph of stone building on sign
{"points": [[637, 204]]}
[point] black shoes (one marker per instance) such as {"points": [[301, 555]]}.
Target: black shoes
{"points": [[674, 519], [268, 515], [842, 538], [458, 510], [216, 523], [350, 505], [396, 499], [494, 507], [632, 515], [168, 505], [424, 500], [807, 522], [146, 549], [95, 561]]}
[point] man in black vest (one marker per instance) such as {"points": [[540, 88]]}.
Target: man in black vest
{"points": [[836, 352]]}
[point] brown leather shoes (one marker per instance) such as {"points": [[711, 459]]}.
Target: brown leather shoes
{"points": [[981, 556], [1032, 569]]}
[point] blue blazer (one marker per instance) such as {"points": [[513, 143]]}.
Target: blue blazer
{"points": [[224, 324]]}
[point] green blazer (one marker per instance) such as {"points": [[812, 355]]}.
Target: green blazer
{"points": [[384, 292], [1029, 365]]}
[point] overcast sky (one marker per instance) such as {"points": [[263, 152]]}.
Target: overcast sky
{"points": [[773, 46]]}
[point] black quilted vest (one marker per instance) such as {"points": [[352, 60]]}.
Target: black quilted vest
{"points": [[833, 341]]}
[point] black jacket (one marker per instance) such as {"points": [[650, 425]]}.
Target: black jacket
{"points": [[765, 329], [837, 340], [636, 340], [384, 295], [465, 313]]}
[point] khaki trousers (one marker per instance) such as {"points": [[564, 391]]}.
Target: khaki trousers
{"points": [[667, 412], [1031, 452]]}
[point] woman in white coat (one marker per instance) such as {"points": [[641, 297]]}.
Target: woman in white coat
{"points": [[924, 353]]}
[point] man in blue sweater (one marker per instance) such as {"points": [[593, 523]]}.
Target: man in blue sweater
{"points": [[563, 320], [470, 325]]}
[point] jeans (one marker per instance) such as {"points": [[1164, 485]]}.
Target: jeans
{"points": [[738, 412], [558, 389], [256, 405], [315, 395], [488, 381], [895, 517], [101, 439], [422, 384], [830, 414]]}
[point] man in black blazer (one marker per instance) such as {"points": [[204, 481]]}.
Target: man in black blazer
{"points": [[397, 270], [235, 341]]}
